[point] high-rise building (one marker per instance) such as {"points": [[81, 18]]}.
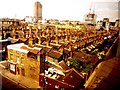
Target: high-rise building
{"points": [[38, 11]]}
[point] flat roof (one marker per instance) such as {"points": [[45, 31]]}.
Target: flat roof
{"points": [[17, 47]]}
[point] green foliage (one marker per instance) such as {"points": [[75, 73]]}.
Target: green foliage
{"points": [[75, 63], [87, 66], [94, 52], [79, 66], [101, 55]]}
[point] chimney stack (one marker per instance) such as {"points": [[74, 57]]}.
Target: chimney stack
{"points": [[43, 34], [30, 30], [36, 29], [48, 41], [66, 37], [39, 40], [70, 47], [57, 40], [13, 33], [70, 37], [30, 42], [56, 30], [63, 39]]}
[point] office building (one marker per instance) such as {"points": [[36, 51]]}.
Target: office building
{"points": [[38, 11]]}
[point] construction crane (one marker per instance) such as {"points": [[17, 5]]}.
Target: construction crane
{"points": [[91, 16]]}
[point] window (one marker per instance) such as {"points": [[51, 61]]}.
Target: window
{"points": [[11, 57], [18, 60], [12, 67], [22, 59]]}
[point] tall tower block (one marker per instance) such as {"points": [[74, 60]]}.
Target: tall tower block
{"points": [[38, 11]]}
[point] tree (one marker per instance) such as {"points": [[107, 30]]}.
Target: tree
{"points": [[87, 66], [76, 63]]}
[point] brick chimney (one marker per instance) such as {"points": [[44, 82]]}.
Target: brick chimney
{"points": [[36, 29], [70, 38], [47, 30], [61, 48], [56, 30], [30, 42], [30, 30], [57, 40], [43, 34], [71, 54], [13, 33], [39, 40], [22, 32], [52, 32], [66, 38], [70, 49], [48, 41], [63, 39]]}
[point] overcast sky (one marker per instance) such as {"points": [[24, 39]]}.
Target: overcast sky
{"points": [[59, 9]]}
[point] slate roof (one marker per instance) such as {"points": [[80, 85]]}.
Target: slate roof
{"points": [[107, 75], [45, 48], [54, 54], [32, 50], [72, 77], [64, 65], [85, 57]]}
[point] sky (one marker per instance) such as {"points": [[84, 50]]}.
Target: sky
{"points": [[59, 9]]}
